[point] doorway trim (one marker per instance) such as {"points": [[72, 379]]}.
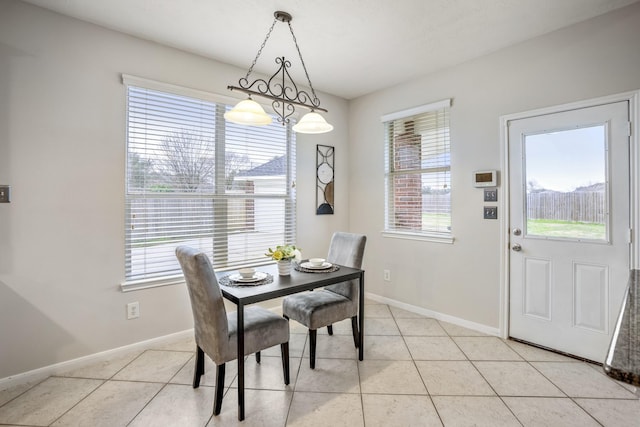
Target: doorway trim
{"points": [[633, 97]]}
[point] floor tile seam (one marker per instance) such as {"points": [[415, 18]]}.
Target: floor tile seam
{"points": [[424, 335], [359, 392], [386, 393], [617, 399], [24, 391], [127, 365], [415, 366], [364, 422], [169, 350], [181, 368], [143, 381], [485, 380], [464, 395], [428, 395], [614, 398], [381, 335], [338, 393], [79, 401], [585, 410], [533, 367], [473, 362], [440, 360], [618, 383], [542, 396], [451, 337], [511, 410], [515, 350], [290, 388], [295, 383], [547, 378], [147, 404]]}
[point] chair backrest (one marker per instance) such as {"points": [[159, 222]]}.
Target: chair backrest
{"points": [[207, 305], [346, 249]]}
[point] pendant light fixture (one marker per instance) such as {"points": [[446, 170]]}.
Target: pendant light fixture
{"points": [[281, 90]]}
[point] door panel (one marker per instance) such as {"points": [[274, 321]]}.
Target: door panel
{"points": [[569, 222], [537, 284]]}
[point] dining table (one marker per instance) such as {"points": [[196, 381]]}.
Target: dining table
{"points": [[299, 280]]}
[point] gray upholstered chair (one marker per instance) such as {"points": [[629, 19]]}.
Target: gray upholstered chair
{"points": [[216, 330], [333, 303]]}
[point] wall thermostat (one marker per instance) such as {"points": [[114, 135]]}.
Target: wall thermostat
{"points": [[485, 178]]}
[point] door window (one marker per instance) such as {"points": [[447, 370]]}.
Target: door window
{"points": [[566, 184]]}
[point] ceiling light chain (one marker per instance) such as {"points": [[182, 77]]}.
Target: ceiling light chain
{"points": [[260, 50], [304, 67], [282, 91]]}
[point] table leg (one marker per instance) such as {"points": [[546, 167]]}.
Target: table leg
{"points": [[361, 318], [240, 315]]}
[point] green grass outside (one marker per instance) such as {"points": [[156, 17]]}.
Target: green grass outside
{"points": [[566, 229], [435, 220], [536, 227]]}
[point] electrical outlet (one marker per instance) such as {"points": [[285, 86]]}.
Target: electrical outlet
{"points": [[133, 310], [387, 275]]}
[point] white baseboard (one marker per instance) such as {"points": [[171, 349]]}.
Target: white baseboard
{"points": [[435, 315], [58, 368]]}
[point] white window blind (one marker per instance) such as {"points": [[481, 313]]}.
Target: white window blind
{"points": [[418, 171], [195, 179]]}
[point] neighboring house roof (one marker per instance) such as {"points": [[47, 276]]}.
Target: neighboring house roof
{"points": [[274, 167]]}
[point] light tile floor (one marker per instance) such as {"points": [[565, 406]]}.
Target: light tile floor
{"points": [[417, 372]]}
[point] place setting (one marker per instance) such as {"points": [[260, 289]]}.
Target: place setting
{"points": [[316, 265], [246, 277]]}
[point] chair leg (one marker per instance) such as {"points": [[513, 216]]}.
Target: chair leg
{"points": [[258, 357], [312, 348], [354, 328], [219, 389], [199, 368], [330, 329], [284, 352]]}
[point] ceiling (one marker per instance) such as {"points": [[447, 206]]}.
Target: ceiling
{"points": [[350, 47]]}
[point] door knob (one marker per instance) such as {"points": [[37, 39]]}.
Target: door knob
{"points": [[516, 247], [517, 232]]}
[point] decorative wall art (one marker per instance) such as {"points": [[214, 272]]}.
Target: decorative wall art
{"points": [[325, 157]]}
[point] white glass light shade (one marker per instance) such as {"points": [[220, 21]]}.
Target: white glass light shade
{"points": [[248, 112], [312, 123]]}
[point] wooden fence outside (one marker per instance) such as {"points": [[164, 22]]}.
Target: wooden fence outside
{"points": [[588, 206]]}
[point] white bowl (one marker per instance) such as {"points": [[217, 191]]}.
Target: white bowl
{"points": [[316, 262], [247, 273]]}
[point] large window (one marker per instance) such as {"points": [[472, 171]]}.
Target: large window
{"points": [[195, 179], [418, 172]]}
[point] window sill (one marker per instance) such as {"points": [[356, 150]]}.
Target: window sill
{"points": [[137, 285], [434, 238]]}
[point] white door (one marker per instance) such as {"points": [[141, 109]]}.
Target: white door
{"points": [[569, 227]]}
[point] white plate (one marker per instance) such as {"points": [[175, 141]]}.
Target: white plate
{"points": [[258, 275], [324, 266]]}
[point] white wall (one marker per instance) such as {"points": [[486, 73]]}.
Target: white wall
{"points": [[588, 60], [62, 150]]}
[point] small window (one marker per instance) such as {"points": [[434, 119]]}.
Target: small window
{"points": [[418, 172], [194, 179], [567, 184]]}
